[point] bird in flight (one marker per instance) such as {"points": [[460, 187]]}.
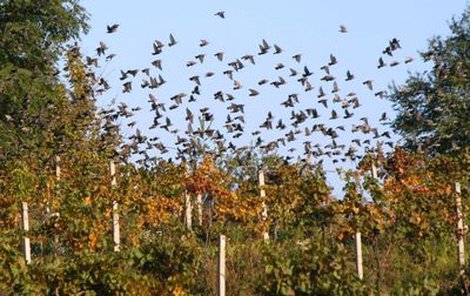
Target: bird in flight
{"points": [[343, 29], [112, 28], [172, 40], [220, 14]]}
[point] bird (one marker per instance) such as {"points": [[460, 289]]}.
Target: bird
{"points": [[220, 14], [133, 72], [263, 81], [157, 47], [349, 76], [332, 61], [109, 57], [334, 115], [250, 58], [297, 57], [157, 64], [279, 66], [127, 87], [383, 117], [380, 94], [112, 28], [277, 49], [394, 44], [200, 57], [293, 72], [306, 72], [335, 87], [343, 29], [368, 83], [264, 47], [101, 48], [236, 85], [195, 79], [388, 50], [381, 63], [190, 63], [328, 77], [172, 41], [408, 59], [219, 55], [253, 92], [325, 68], [203, 43], [146, 71], [321, 93], [308, 86]]}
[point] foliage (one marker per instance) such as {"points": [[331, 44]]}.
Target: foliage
{"points": [[311, 270], [433, 106]]}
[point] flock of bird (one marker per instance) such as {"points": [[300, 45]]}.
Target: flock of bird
{"points": [[309, 117]]}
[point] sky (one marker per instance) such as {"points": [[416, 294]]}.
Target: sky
{"points": [[309, 28]]}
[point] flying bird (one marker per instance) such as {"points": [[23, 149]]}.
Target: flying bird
{"points": [[408, 60], [112, 28], [343, 29], [253, 92], [297, 57], [381, 63], [220, 14], [172, 41], [219, 56], [368, 83], [277, 49]]}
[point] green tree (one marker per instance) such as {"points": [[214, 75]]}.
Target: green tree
{"points": [[33, 35], [433, 107]]}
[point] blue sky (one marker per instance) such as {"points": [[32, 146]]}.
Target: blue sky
{"points": [[306, 27]]}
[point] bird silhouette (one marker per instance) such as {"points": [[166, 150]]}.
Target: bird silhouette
{"points": [[220, 14], [112, 28]]}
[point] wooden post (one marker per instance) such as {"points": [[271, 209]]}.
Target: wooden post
{"points": [[221, 267], [359, 268], [57, 177], [199, 208], [188, 211], [25, 226], [374, 171], [57, 168], [262, 194], [116, 229], [460, 229], [187, 218]]}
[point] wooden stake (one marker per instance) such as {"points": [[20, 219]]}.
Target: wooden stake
{"points": [[199, 208], [57, 168], [112, 172], [262, 194], [221, 267], [188, 211], [25, 226], [116, 229], [359, 268], [460, 229], [187, 218], [374, 171]]}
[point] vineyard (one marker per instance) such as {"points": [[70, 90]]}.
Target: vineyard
{"points": [[86, 211]]}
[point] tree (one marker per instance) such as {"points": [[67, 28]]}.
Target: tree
{"points": [[433, 106], [33, 35]]}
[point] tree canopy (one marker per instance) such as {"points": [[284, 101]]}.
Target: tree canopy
{"points": [[434, 106]]}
